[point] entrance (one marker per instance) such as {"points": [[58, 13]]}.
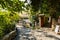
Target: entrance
{"points": [[42, 21]]}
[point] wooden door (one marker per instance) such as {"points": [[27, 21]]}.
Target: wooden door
{"points": [[42, 21]]}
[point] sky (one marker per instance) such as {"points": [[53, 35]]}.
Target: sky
{"points": [[28, 1]]}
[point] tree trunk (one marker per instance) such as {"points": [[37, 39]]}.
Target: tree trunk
{"points": [[53, 23]]}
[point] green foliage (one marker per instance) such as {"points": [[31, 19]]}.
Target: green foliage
{"points": [[12, 5], [7, 22], [1, 31], [36, 5], [9, 16], [51, 7], [44, 7]]}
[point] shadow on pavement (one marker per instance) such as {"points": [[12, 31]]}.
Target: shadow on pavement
{"points": [[51, 36]]}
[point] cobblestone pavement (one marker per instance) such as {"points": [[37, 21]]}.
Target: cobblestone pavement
{"points": [[39, 34], [45, 34]]}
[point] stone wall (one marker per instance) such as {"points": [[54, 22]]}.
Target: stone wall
{"points": [[10, 36]]}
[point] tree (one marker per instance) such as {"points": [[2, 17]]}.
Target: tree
{"points": [[7, 22], [12, 5], [46, 6], [50, 7], [8, 15]]}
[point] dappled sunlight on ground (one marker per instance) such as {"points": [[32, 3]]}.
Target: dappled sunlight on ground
{"points": [[38, 34]]}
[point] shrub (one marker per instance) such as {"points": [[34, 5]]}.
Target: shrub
{"points": [[7, 22]]}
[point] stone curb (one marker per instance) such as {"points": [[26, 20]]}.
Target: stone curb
{"points": [[10, 36]]}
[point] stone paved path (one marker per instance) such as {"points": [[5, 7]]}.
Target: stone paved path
{"points": [[41, 34], [38, 34]]}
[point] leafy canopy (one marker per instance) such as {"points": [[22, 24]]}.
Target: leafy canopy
{"points": [[12, 5]]}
